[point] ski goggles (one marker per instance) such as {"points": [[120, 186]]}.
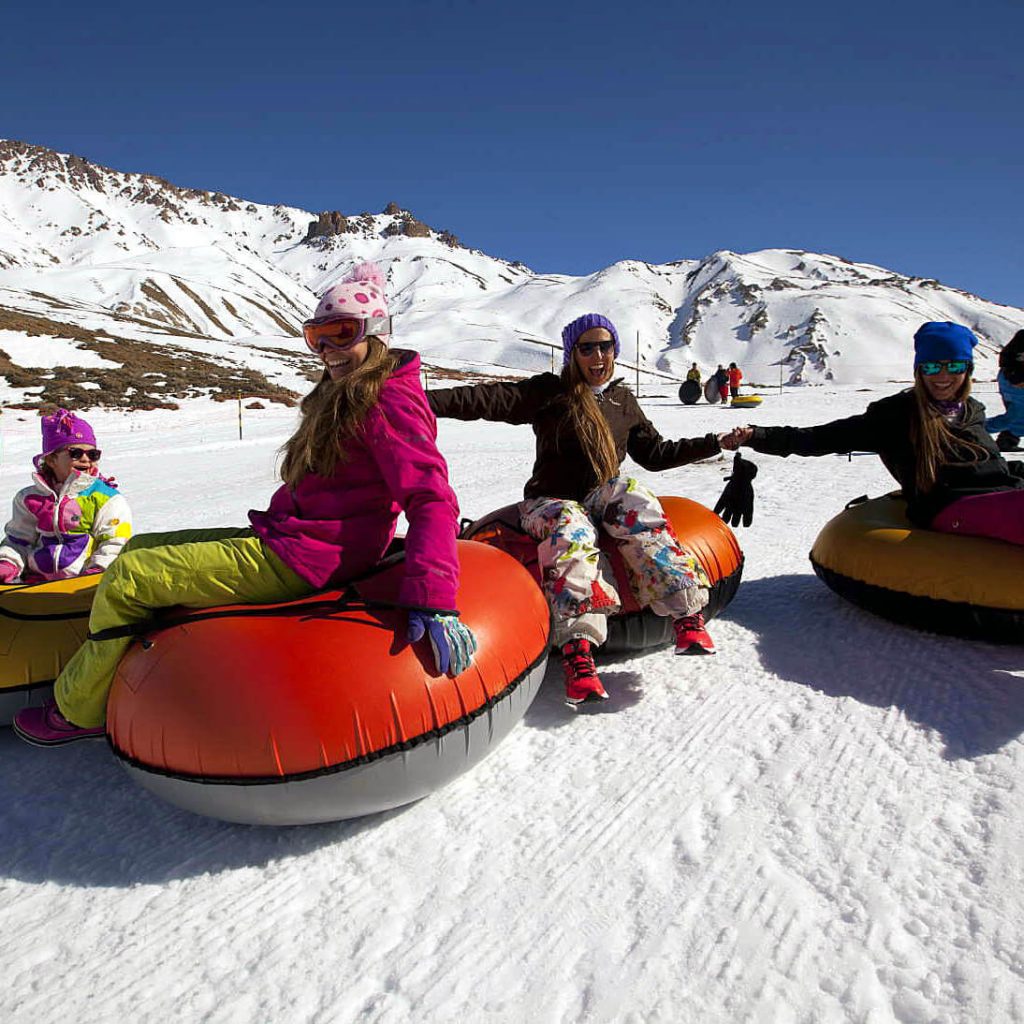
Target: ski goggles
{"points": [[342, 332], [588, 348], [931, 368], [92, 454]]}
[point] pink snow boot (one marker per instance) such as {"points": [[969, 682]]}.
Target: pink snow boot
{"points": [[46, 727]]}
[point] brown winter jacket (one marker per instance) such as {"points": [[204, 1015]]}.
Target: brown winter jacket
{"points": [[561, 470]]}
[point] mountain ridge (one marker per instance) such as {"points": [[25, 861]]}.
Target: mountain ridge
{"points": [[90, 253]]}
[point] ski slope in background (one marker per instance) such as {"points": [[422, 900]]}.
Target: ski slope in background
{"points": [[821, 823]]}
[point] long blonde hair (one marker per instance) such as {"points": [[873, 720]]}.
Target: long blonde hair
{"points": [[584, 418], [935, 444], [334, 412]]}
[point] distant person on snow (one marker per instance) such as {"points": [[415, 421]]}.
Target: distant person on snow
{"points": [[693, 373], [722, 381], [1010, 424], [586, 423], [71, 521], [932, 438], [735, 375], [364, 450]]}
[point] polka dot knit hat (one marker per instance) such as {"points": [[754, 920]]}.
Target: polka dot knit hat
{"points": [[359, 294]]}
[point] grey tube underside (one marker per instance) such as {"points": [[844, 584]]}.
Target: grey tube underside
{"points": [[390, 781], [12, 701]]}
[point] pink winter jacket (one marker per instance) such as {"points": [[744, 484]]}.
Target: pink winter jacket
{"points": [[330, 529]]}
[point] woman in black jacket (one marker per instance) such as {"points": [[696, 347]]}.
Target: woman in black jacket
{"points": [[932, 438], [585, 423]]}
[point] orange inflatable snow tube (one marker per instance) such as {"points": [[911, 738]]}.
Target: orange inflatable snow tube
{"points": [[312, 710], [700, 533]]}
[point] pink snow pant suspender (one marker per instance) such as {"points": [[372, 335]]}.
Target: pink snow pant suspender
{"points": [[578, 581], [999, 515]]}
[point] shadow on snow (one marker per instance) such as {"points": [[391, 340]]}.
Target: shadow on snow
{"points": [[962, 689]]}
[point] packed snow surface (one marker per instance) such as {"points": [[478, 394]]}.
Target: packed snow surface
{"points": [[821, 823]]}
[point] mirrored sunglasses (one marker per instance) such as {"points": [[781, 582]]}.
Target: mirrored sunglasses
{"points": [[930, 369], [588, 348], [342, 332], [92, 454]]}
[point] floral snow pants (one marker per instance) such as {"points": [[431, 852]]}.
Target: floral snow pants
{"points": [[577, 578]]}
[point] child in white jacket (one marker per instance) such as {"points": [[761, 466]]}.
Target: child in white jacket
{"points": [[70, 521]]}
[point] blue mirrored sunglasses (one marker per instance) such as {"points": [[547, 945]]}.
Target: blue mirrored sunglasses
{"points": [[930, 369]]}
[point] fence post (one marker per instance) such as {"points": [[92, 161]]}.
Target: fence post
{"points": [[638, 364], [239, 415]]}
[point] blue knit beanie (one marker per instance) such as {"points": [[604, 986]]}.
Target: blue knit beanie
{"points": [[571, 332], [940, 340]]}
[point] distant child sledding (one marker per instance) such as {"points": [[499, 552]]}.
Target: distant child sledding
{"points": [[585, 424], [364, 451], [932, 438], [71, 521]]}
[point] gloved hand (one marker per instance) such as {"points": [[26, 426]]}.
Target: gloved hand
{"points": [[8, 572], [737, 500], [452, 641]]}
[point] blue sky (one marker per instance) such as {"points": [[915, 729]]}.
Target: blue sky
{"points": [[548, 133]]}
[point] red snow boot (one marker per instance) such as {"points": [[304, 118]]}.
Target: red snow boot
{"points": [[691, 636], [581, 682]]}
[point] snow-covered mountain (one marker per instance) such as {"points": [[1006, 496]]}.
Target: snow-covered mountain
{"points": [[123, 289]]}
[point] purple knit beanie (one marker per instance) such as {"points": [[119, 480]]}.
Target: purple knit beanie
{"points": [[61, 429], [571, 332]]}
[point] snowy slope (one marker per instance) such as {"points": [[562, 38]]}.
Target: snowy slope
{"points": [[144, 260], [821, 823]]}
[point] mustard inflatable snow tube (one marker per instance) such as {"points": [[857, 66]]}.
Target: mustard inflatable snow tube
{"points": [[41, 626], [973, 587]]}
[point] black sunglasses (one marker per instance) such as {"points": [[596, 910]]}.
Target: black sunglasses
{"points": [[588, 348], [92, 454]]}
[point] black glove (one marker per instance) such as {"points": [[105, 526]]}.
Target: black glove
{"points": [[737, 500]]}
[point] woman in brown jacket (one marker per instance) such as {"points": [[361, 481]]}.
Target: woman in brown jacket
{"points": [[585, 424]]}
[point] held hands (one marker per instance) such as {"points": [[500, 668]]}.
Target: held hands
{"points": [[735, 438], [452, 641], [737, 500]]}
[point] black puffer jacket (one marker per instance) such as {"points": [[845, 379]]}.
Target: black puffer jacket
{"points": [[1011, 359], [561, 470], [885, 427]]}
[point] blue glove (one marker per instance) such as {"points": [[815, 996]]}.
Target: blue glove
{"points": [[452, 641]]}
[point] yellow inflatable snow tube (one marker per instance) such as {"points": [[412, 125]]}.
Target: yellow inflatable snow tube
{"points": [[746, 401], [41, 626], [875, 557]]}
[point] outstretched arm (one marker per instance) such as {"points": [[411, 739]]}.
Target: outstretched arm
{"points": [[853, 433], [503, 402], [648, 448]]}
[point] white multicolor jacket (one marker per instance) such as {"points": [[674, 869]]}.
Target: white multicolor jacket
{"points": [[57, 534]]}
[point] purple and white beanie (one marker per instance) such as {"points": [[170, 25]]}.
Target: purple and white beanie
{"points": [[61, 429]]}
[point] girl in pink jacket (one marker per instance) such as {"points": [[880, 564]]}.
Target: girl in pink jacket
{"points": [[363, 452]]}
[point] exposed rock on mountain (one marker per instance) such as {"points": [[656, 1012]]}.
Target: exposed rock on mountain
{"points": [[91, 256]]}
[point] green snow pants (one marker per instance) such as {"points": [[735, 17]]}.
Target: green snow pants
{"points": [[195, 568]]}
